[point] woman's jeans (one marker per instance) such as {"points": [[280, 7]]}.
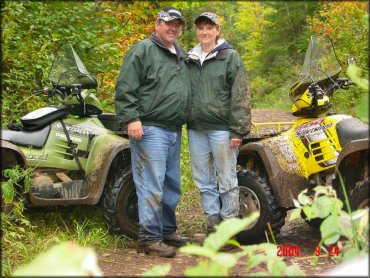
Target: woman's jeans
{"points": [[212, 156], [156, 172]]}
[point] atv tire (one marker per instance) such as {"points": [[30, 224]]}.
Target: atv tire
{"points": [[120, 206], [359, 197], [256, 194]]}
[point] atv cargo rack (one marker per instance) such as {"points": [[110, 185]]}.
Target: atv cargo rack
{"points": [[268, 129]]}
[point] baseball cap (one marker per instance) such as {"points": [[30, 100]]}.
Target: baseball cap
{"points": [[208, 15], [169, 14]]}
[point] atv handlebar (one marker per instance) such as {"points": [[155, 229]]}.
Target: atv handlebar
{"points": [[344, 83], [42, 91]]}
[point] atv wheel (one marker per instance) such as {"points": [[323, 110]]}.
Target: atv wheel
{"points": [[120, 206], [255, 194], [359, 197]]}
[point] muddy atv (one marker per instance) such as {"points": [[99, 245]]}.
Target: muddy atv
{"points": [[78, 154], [279, 160]]}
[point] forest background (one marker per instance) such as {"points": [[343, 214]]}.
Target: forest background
{"points": [[271, 36]]}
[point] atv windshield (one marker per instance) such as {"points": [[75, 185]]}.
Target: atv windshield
{"points": [[68, 69], [320, 66], [320, 62]]}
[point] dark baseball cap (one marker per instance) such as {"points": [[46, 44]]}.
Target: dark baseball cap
{"points": [[208, 15], [169, 14]]}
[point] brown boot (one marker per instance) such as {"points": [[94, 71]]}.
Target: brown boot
{"points": [[212, 221], [176, 240], [157, 248]]}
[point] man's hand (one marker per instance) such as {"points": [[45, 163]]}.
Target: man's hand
{"points": [[235, 142], [135, 130]]}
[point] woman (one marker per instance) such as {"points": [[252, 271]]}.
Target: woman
{"points": [[219, 118]]}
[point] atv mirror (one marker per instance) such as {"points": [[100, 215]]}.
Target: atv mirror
{"points": [[351, 61], [39, 75]]}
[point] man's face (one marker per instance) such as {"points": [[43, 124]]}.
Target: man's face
{"points": [[168, 31]]}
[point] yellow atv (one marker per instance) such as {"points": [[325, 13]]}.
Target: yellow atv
{"points": [[316, 149]]}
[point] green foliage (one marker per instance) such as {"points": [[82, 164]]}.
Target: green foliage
{"points": [[15, 178], [266, 253], [32, 32], [16, 232], [354, 74], [22, 241], [15, 226], [103, 31], [65, 259], [187, 182], [349, 230], [158, 270]]}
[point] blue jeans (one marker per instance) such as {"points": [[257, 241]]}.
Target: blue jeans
{"points": [[156, 171], [212, 156]]}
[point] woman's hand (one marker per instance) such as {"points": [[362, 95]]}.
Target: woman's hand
{"points": [[235, 142]]}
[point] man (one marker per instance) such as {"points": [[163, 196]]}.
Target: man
{"points": [[152, 99]]}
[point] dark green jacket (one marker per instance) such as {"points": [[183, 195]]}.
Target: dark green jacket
{"points": [[220, 92], [153, 86]]}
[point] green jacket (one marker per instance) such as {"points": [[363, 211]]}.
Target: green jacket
{"points": [[220, 91], [153, 86]]}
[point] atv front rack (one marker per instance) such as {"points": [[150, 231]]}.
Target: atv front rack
{"points": [[268, 129]]}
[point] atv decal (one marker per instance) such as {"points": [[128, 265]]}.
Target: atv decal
{"points": [[74, 129], [43, 157], [63, 136], [287, 152], [312, 127]]}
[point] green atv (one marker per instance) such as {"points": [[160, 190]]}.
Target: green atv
{"points": [[79, 155]]}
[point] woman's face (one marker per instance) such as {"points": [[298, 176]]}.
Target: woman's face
{"points": [[207, 33]]}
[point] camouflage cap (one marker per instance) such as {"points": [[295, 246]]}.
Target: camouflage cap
{"points": [[208, 15], [169, 14]]}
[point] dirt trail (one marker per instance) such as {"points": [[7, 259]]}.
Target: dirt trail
{"points": [[126, 262]]}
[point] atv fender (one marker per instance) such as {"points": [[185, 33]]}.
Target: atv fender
{"points": [[102, 154], [11, 155], [353, 162], [284, 185], [361, 145]]}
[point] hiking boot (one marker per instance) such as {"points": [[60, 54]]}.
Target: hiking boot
{"points": [[210, 230], [157, 248], [212, 221], [176, 240]]}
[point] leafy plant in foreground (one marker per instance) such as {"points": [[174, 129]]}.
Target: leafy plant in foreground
{"points": [[215, 263], [349, 230], [15, 227]]}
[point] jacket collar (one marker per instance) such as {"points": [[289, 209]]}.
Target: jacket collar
{"points": [[180, 52], [219, 52]]}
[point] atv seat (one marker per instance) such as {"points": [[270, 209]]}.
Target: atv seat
{"points": [[110, 122], [35, 139], [351, 129]]}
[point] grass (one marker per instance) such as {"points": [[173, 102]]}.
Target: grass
{"points": [[81, 224]]}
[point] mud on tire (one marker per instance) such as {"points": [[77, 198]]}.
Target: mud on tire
{"points": [[256, 194], [120, 205]]}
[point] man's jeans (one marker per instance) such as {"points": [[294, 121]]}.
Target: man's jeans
{"points": [[212, 156], [156, 172]]}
